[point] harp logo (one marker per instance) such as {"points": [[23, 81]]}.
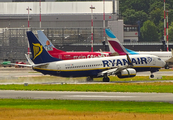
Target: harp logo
{"points": [[37, 49]]}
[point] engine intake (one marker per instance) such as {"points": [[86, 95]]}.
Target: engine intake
{"points": [[126, 73]]}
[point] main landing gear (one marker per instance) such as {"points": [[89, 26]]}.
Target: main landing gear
{"points": [[89, 79], [106, 78]]}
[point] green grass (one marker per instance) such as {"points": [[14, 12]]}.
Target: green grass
{"points": [[91, 106], [113, 87], [46, 79], [171, 69]]}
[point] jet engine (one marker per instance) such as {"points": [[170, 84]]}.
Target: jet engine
{"points": [[129, 72]]}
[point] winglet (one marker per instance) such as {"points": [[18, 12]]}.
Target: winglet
{"points": [[129, 60], [29, 60]]}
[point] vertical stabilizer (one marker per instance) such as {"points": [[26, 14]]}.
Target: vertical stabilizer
{"points": [[114, 43], [116, 46], [47, 43], [40, 55]]}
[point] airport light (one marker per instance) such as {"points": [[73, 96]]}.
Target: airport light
{"points": [[28, 9], [28, 30], [164, 22], [104, 25], [92, 27], [40, 13], [167, 31]]}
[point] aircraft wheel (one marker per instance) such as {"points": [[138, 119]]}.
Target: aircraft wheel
{"points": [[166, 66], [89, 79], [151, 76], [106, 79]]}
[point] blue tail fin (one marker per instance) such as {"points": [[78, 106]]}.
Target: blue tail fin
{"points": [[40, 55], [45, 42], [43, 39]]}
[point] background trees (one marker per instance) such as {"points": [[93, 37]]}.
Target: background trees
{"points": [[150, 12], [149, 32]]}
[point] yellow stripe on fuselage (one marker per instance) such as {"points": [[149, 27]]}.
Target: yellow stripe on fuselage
{"points": [[105, 68], [73, 69]]}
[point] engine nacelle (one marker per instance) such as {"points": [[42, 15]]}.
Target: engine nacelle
{"points": [[129, 72]]}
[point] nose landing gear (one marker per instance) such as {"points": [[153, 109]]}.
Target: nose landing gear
{"points": [[152, 75]]}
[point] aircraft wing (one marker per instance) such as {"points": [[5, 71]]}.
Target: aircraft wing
{"points": [[113, 71], [169, 60], [114, 54]]}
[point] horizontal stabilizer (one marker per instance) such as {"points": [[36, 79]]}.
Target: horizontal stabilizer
{"points": [[23, 65]]}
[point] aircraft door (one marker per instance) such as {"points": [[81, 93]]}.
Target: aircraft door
{"points": [[58, 68], [154, 61]]}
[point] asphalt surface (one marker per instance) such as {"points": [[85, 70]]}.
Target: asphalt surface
{"points": [[98, 96], [11, 73]]}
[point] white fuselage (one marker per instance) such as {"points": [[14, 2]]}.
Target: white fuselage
{"points": [[163, 55], [93, 66]]}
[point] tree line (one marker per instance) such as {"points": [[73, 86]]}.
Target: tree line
{"points": [[150, 14]]}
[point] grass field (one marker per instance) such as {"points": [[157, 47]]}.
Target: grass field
{"points": [[158, 87], [29, 114], [88, 106], [27, 109], [114, 86]]}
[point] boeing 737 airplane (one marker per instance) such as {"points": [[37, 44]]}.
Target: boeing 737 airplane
{"points": [[54, 52], [123, 66], [116, 47]]}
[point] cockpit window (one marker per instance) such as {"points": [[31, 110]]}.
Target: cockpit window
{"points": [[159, 59]]}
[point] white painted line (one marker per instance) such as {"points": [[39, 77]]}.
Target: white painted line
{"points": [[99, 96]]}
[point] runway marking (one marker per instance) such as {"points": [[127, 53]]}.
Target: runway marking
{"points": [[99, 96]]}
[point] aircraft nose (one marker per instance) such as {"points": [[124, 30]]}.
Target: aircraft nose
{"points": [[163, 63]]}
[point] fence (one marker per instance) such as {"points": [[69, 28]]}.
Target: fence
{"points": [[13, 42]]}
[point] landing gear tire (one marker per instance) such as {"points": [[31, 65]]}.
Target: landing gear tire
{"points": [[166, 66], [89, 79], [151, 76], [106, 79]]}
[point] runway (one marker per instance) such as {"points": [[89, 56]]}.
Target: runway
{"points": [[11, 74], [97, 96]]}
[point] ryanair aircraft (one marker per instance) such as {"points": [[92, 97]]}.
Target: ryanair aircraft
{"points": [[123, 66]]}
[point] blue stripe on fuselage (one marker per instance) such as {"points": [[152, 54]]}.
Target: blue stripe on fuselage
{"points": [[85, 73]]}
